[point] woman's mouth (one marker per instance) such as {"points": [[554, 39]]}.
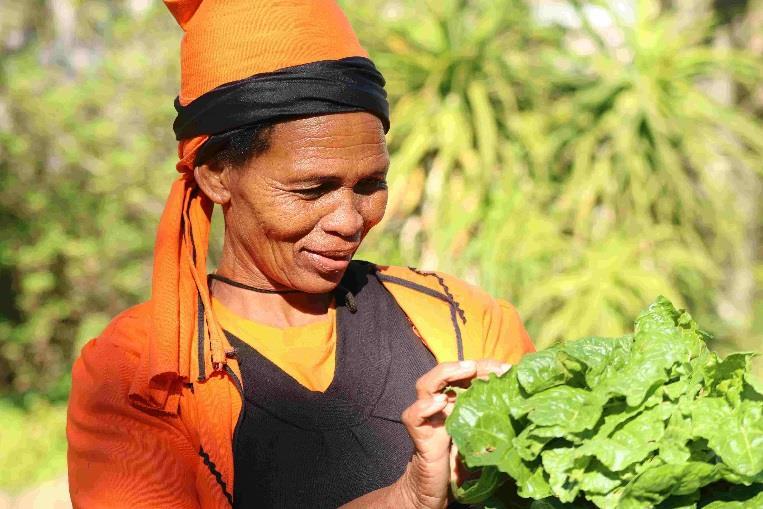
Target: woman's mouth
{"points": [[329, 261]]}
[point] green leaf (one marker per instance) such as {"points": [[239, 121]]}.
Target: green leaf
{"points": [[480, 424], [734, 434], [565, 467], [658, 483], [602, 356], [550, 503], [541, 370], [569, 408], [679, 502], [730, 377], [739, 497], [657, 347], [474, 491], [632, 442]]}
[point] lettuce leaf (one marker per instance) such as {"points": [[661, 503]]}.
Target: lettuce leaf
{"points": [[652, 419]]}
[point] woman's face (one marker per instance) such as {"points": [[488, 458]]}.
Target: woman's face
{"points": [[296, 214]]}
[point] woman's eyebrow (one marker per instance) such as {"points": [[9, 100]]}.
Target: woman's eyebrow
{"points": [[318, 178], [314, 179], [379, 172]]}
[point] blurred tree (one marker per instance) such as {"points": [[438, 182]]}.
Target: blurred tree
{"points": [[86, 157], [649, 152]]}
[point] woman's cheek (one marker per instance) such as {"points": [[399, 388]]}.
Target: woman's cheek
{"points": [[376, 207], [290, 222]]}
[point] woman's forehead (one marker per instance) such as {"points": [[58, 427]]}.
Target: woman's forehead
{"points": [[330, 130], [331, 144]]}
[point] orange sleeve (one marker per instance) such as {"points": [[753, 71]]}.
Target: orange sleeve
{"points": [[505, 337], [120, 456], [490, 328]]}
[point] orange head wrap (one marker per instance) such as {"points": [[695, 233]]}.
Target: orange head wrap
{"points": [[224, 41]]}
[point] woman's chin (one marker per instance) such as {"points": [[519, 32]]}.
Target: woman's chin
{"points": [[312, 281], [326, 283], [319, 274]]}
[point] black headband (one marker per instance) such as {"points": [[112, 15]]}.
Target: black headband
{"points": [[317, 88]]}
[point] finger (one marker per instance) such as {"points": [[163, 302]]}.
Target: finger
{"points": [[459, 472], [441, 375], [421, 410], [454, 464], [487, 366], [484, 368]]}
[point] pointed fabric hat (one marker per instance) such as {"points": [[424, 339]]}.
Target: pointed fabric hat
{"points": [[243, 62]]}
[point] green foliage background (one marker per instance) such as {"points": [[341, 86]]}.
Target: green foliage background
{"points": [[576, 169]]}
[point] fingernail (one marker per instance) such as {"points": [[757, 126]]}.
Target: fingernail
{"points": [[439, 398], [467, 364]]}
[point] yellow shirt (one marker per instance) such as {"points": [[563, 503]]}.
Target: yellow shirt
{"points": [[491, 328], [307, 353]]}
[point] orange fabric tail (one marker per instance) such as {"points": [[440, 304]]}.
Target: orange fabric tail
{"points": [[178, 282]]}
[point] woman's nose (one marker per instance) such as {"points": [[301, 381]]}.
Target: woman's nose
{"points": [[345, 219]]}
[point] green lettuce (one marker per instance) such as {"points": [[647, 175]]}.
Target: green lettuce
{"points": [[653, 419]]}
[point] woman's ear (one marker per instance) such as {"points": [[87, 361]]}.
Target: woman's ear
{"points": [[213, 183]]}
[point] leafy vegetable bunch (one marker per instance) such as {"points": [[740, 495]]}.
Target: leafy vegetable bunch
{"points": [[653, 419]]}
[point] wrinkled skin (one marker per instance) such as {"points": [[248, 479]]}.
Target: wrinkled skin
{"points": [[295, 214]]}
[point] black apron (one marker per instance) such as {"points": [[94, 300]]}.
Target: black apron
{"points": [[293, 447]]}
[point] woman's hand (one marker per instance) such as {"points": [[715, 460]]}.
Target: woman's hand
{"points": [[424, 485]]}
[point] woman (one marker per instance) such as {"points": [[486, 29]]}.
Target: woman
{"points": [[293, 376]]}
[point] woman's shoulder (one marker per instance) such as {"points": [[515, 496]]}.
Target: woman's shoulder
{"points": [[439, 285], [438, 304], [120, 344], [128, 330]]}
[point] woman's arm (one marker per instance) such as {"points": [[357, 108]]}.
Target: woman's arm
{"points": [[119, 456]]}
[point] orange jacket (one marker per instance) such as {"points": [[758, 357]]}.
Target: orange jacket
{"points": [[123, 454]]}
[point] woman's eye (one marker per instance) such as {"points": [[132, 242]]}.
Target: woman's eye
{"points": [[363, 187], [371, 185], [314, 192]]}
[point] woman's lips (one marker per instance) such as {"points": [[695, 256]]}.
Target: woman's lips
{"points": [[329, 262]]}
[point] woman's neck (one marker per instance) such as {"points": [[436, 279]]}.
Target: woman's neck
{"points": [[274, 309]]}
